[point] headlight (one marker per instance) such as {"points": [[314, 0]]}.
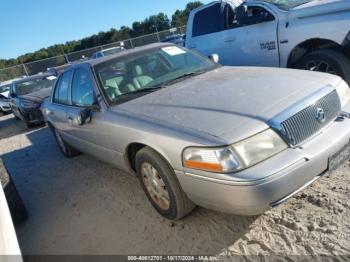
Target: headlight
{"points": [[344, 93], [236, 157], [29, 104]]}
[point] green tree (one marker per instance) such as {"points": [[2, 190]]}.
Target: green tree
{"points": [[180, 17]]}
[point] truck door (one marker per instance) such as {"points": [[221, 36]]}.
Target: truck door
{"points": [[206, 33], [250, 37]]}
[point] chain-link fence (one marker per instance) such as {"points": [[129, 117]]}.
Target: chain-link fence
{"points": [[35, 67]]}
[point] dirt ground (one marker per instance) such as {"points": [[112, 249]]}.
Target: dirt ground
{"points": [[83, 206]]}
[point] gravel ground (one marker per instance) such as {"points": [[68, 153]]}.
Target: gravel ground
{"points": [[83, 206]]}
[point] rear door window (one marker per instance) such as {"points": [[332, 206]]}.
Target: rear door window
{"points": [[62, 87]]}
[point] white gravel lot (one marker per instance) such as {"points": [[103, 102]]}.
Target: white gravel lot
{"points": [[83, 206]]}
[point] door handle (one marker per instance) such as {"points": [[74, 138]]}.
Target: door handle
{"points": [[70, 118], [229, 40]]}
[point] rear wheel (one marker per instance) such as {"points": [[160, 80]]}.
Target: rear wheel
{"points": [[161, 186], [326, 61], [67, 150]]}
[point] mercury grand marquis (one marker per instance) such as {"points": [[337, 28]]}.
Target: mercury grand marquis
{"points": [[234, 139]]}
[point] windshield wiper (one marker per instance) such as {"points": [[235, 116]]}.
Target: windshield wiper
{"points": [[145, 90], [179, 78]]}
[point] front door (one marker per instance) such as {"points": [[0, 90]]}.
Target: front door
{"points": [[88, 137], [252, 43], [207, 30]]}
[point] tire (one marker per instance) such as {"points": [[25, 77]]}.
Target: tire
{"points": [[28, 125], [178, 204], [17, 209], [17, 118], [67, 150], [338, 63]]}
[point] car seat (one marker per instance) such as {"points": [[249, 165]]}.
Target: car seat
{"points": [[140, 80]]}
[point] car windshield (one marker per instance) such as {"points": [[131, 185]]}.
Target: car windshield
{"points": [[126, 77], [288, 4], [4, 88], [33, 85]]}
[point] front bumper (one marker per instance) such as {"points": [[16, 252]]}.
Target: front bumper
{"points": [[32, 116], [270, 183]]}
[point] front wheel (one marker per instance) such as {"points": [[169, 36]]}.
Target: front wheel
{"points": [[161, 186], [16, 117], [326, 61]]}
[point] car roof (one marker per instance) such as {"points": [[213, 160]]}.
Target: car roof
{"points": [[128, 52], [33, 77]]}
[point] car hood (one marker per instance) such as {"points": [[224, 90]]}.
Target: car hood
{"points": [[320, 7], [38, 96], [230, 103]]}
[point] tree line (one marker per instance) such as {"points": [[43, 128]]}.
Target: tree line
{"points": [[149, 25]]}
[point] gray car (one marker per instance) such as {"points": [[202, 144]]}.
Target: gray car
{"points": [[239, 140], [26, 96]]}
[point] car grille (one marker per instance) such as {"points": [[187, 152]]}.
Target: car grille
{"points": [[35, 115], [309, 121]]}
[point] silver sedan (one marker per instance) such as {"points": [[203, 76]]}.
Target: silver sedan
{"points": [[239, 140]]}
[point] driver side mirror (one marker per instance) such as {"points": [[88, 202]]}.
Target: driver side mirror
{"points": [[85, 115], [214, 58]]}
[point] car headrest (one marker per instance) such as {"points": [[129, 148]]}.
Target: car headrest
{"points": [[138, 70]]}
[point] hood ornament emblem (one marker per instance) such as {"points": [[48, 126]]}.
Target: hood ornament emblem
{"points": [[320, 115]]}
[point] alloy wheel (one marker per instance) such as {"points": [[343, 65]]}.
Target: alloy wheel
{"points": [[155, 186], [320, 66]]}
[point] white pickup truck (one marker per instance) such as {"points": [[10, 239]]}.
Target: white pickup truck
{"points": [[303, 34]]}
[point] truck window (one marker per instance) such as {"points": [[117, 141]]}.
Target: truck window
{"points": [[208, 20], [254, 15], [231, 21]]}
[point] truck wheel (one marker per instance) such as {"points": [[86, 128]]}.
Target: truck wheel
{"points": [[327, 61], [160, 184], [17, 209], [67, 150]]}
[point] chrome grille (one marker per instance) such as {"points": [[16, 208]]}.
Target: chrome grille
{"points": [[306, 123]]}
